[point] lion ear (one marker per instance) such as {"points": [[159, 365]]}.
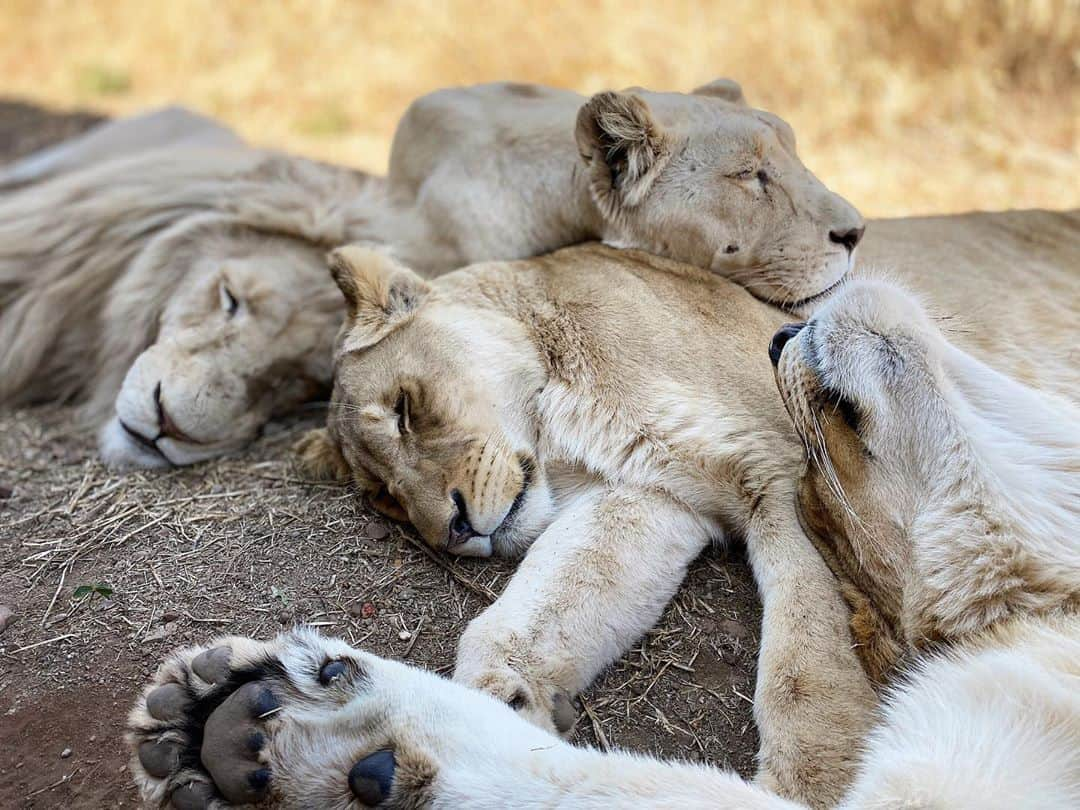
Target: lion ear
{"points": [[320, 458], [623, 146], [727, 89], [379, 292]]}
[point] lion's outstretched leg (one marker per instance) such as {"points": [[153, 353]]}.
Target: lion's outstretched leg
{"points": [[813, 702], [307, 722], [592, 584]]}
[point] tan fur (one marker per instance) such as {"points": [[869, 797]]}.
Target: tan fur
{"points": [[966, 514], [1003, 286], [85, 252]]}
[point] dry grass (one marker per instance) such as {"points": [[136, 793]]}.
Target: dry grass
{"points": [[929, 105]]}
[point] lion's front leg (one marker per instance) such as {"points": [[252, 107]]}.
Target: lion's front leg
{"points": [[303, 721], [590, 586], [813, 702]]}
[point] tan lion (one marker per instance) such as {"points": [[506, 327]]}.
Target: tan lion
{"points": [[612, 412], [947, 491], [178, 291]]}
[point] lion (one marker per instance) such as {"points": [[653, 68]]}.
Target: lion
{"points": [[945, 489], [609, 411], [179, 296], [103, 270], [507, 171]]}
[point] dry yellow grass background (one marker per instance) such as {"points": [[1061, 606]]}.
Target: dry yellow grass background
{"points": [[904, 106]]}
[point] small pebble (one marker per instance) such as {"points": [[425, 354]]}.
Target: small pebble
{"points": [[364, 610], [65, 753], [377, 531], [404, 635]]}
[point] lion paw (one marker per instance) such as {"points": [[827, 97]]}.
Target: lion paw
{"points": [[306, 721]]}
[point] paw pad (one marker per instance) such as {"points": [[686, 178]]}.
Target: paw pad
{"points": [[167, 702], [213, 665], [232, 739], [370, 779], [258, 780], [331, 671], [193, 796], [159, 758]]}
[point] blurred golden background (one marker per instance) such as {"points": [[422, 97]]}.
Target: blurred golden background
{"points": [[903, 107]]}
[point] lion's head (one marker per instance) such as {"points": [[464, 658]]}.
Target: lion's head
{"points": [[708, 180], [927, 470], [230, 326], [863, 384], [429, 411]]}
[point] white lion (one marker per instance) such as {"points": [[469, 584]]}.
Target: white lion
{"points": [[942, 490]]}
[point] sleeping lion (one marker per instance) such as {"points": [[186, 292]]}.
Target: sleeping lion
{"points": [[171, 279], [613, 413], [944, 490]]}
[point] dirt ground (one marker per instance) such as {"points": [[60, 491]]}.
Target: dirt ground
{"points": [[244, 545]]}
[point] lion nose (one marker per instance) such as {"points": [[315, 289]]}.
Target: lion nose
{"points": [[848, 238], [460, 531], [780, 339]]}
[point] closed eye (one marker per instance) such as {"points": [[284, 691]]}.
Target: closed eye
{"points": [[848, 411], [401, 408], [229, 302]]}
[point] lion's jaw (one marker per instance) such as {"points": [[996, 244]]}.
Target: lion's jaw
{"points": [[232, 351], [946, 490], [721, 187]]}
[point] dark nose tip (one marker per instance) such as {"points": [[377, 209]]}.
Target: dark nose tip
{"points": [[460, 529], [780, 339], [849, 238]]}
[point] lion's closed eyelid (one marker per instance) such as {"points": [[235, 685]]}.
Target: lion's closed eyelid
{"points": [[402, 411], [848, 410], [742, 172], [230, 302]]}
